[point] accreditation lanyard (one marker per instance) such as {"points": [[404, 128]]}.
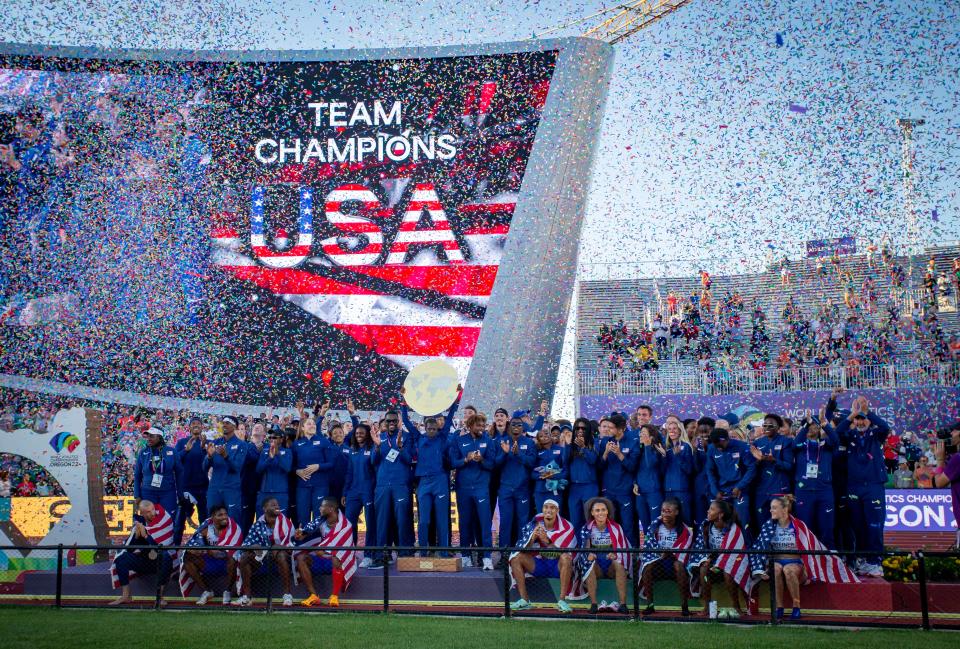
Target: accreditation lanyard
{"points": [[818, 452], [156, 463]]}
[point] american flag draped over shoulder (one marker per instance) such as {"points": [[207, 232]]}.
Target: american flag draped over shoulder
{"points": [[827, 568], [735, 564], [160, 532], [561, 536], [582, 565], [339, 536], [653, 550], [262, 535], [230, 536]]}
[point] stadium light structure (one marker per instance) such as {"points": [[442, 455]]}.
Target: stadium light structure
{"points": [[623, 20]]}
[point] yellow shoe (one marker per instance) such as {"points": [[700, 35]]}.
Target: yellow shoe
{"points": [[313, 600], [334, 601]]}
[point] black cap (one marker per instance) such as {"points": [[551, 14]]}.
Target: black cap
{"points": [[718, 434]]}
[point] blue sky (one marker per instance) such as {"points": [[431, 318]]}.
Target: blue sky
{"points": [[701, 156]]}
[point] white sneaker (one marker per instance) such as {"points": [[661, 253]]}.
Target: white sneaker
{"points": [[465, 562], [243, 601], [603, 605], [288, 600], [488, 564], [226, 597], [204, 597], [366, 563], [873, 570], [858, 566]]}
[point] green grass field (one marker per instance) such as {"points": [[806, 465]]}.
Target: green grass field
{"points": [[32, 628]]}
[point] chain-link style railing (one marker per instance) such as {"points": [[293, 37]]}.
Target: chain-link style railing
{"points": [[919, 589]]}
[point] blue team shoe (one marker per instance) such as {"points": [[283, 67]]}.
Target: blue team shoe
{"points": [[795, 613], [779, 615]]}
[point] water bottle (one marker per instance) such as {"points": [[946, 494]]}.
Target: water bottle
{"points": [[713, 609]]}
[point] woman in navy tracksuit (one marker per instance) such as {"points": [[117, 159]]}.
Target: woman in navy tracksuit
{"points": [[816, 443], [547, 452], [274, 466], [582, 461], [313, 459], [359, 484], [341, 451], [678, 467], [648, 487], [701, 481]]}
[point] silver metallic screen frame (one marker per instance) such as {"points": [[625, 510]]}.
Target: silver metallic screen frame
{"points": [[518, 354]]}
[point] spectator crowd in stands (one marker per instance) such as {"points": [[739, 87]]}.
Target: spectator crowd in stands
{"points": [[863, 330]]}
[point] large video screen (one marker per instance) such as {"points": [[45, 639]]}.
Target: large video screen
{"points": [[256, 232]]}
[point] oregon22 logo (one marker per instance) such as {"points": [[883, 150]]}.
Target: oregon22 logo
{"points": [[65, 440]]}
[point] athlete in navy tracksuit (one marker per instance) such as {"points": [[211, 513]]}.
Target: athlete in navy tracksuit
{"points": [[191, 453], [864, 433], [702, 494], [341, 455], [731, 470], [474, 456], [358, 485], [158, 476], [842, 522], [433, 473], [618, 464], [250, 485], [547, 452], [393, 458], [677, 470], [774, 468], [226, 455], [813, 455], [648, 487], [311, 452], [273, 467], [582, 459], [516, 457]]}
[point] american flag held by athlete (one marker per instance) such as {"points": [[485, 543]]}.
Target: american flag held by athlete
{"points": [[159, 532], [338, 536], [582, 564], [828, 568], [261, 535], [654, 551], [229, 536], [735, 564], [561, 536]]}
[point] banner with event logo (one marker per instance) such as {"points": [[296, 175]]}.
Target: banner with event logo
{"points": [[912, 510], [826, 247], [69, 453]]}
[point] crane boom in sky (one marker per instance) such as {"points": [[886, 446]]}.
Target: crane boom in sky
{"points": [[623, 20]]}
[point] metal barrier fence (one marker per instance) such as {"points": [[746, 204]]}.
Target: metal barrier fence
{"points": [[692, 380], [921, 589]]}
